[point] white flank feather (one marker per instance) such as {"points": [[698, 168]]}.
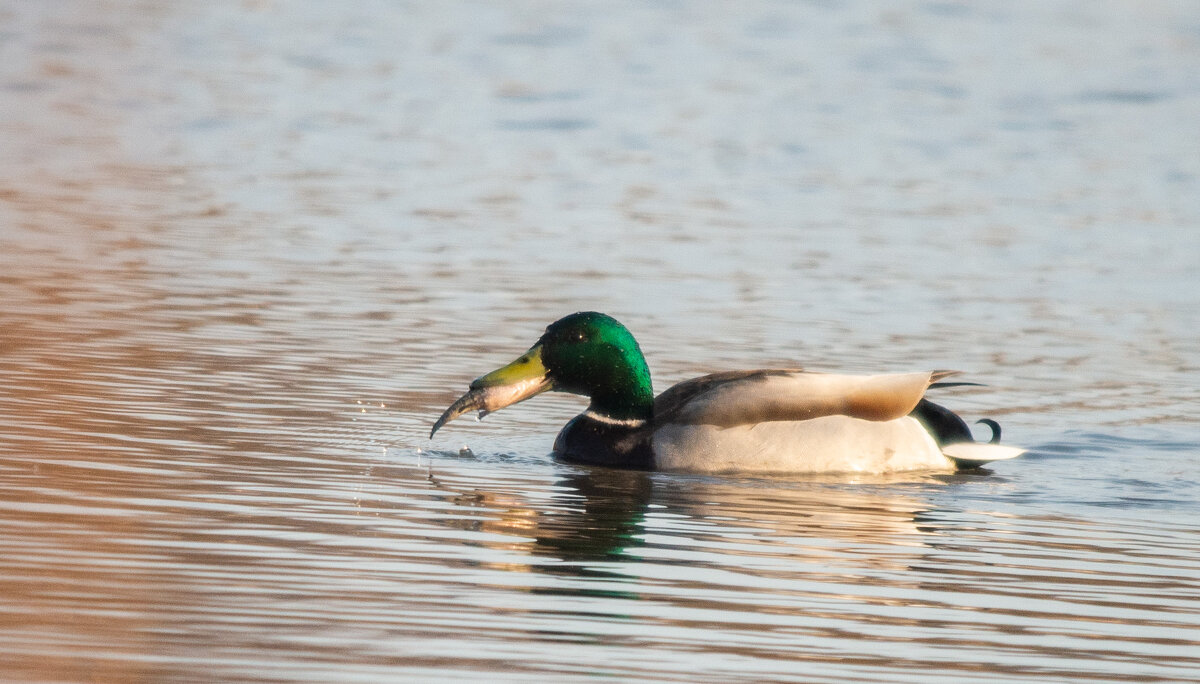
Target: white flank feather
{"points": [[829, 444]]}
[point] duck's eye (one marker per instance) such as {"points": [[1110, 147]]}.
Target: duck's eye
{"points": [[580, 336]]}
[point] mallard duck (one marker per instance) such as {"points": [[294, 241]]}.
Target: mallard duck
{"points": [[755, 421]]}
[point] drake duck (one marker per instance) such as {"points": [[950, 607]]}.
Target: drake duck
{"points": [[754, 421]]}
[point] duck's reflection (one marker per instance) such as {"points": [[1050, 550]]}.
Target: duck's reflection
{"points": [[596, 522], [600, 516]]}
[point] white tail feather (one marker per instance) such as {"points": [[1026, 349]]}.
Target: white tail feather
{"points": [[971, 454]]}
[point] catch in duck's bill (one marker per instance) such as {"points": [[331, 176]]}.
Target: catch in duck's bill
{"points": [[518, 381]]}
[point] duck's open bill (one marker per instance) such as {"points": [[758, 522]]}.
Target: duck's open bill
{"points": [[518, 381]]}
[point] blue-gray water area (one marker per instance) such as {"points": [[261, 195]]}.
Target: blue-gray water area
{"points": [[249, 251]]}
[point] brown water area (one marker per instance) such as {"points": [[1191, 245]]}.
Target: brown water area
{"points": [[250, 250]]}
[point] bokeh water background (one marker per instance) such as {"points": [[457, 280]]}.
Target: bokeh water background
{"points": [[249, 251]]}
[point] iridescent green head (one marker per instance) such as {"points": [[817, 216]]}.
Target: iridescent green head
{"points": [[592, 354], [585, 353]]}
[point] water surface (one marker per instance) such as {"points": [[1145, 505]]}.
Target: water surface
{"points": [[248, 253]]}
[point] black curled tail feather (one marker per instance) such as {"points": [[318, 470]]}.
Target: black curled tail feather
{"points": [[995, 429], [947, 427]]}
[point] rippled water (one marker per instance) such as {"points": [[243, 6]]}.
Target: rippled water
{"points": [[249, 251]]}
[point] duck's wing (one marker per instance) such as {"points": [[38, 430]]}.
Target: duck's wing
{"points": [[749, 397]]}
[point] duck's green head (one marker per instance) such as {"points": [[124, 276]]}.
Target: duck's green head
{"points": [[592, 354], [585, 353]]}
